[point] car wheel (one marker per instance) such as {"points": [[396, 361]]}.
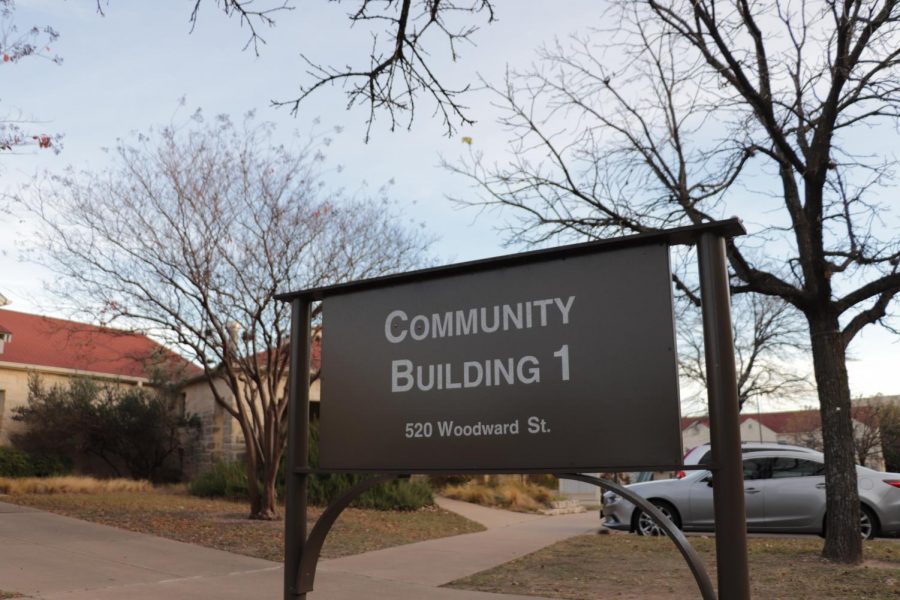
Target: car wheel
{"points": [[868, 523], [645, 525]]}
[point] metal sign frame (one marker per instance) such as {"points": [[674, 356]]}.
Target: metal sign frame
{"points": [[301, 550]]}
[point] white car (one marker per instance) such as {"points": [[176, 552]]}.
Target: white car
{"points": [[702, 454], [784, 492]]}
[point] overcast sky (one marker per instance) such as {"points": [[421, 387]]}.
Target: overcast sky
{"points": [[125, 71]]}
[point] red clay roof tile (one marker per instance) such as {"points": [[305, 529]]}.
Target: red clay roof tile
{"points": [[58, 343]]}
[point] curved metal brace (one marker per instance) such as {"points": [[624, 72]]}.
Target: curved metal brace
{"points": [[312, 546], [687, 551]]}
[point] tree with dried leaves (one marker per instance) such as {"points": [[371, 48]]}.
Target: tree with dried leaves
{"points": [[16, 45], [680, 109], [190, 234], [690, 111]]}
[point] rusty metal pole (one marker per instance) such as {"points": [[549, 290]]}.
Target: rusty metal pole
{"points": [[724, 409], [297, 450]]}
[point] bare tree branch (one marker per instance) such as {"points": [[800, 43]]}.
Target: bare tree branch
{"points": [[190, 234], [688, 110]]}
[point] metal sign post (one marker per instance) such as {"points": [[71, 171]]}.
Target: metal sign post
{"points": [[724, 420], [297, 467], [549, 361]]}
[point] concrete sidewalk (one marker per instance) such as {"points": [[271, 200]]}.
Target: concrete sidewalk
{"points": [[437, 562], [51, 557]]}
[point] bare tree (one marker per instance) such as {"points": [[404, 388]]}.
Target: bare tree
{"points": [[16, 45], [890, 433], [190, 234], [689, 109], [399, 67], [870, 415], [805, 429], [770, 342], [703, 97], [873, 419]]}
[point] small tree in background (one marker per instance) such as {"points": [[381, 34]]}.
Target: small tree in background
{"points": [[769, 340], [189, 236], [876, 434], [890, 437]]}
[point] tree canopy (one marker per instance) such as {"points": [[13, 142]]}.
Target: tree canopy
{"points": [[190, 234]]}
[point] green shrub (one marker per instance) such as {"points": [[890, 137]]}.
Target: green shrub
{"points": [[17, 463], [134, 431], [439, 482], [223, 480], [14, 463], [401, 494], [229, 480]]}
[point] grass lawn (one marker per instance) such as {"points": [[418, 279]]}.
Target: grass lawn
{"points": [[631, 567], [223, 524]]}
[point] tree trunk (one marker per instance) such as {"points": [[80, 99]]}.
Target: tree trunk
{"points": [[261, 487], [253, 491], [843, 543], [268, 502]]}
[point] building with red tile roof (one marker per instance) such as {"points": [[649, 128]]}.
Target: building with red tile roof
{"points": [[801, 427], [58, 349]]}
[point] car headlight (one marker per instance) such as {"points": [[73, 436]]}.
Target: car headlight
{"points": [[610, 498]]}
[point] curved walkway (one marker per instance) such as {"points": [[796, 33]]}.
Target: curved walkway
{"points": [[52, 557]]}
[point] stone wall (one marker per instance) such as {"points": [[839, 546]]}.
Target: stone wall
{"points": [[220, 438]]}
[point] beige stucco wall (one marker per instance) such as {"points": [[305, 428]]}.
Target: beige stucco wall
{"points": [[14, 385], [694, 435], [751, 431]]}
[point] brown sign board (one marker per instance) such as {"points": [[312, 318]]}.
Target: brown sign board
{"points": [[567, 363]]}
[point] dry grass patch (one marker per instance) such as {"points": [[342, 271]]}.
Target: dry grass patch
{"points": [[222, 524], [511, 493], [629, 567], [17, 486]]}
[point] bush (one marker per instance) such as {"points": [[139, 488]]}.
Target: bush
{"points": [[439, 482], [223, 480], [134, 431], [229, 480], [17, 463], [403, 494], [511, 492]]}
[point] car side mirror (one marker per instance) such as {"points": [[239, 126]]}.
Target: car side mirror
{"points": [[708, 480]]}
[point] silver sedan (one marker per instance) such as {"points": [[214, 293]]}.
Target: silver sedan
{"points": [[784, 491]]}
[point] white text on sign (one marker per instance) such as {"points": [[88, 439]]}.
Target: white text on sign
{"points": [[407, 376]]}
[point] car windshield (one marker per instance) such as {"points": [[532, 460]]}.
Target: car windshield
{"points": [[693, 475]]}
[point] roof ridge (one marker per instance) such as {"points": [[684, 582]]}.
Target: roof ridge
{"points": [[43, 341], [71, 322]]}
